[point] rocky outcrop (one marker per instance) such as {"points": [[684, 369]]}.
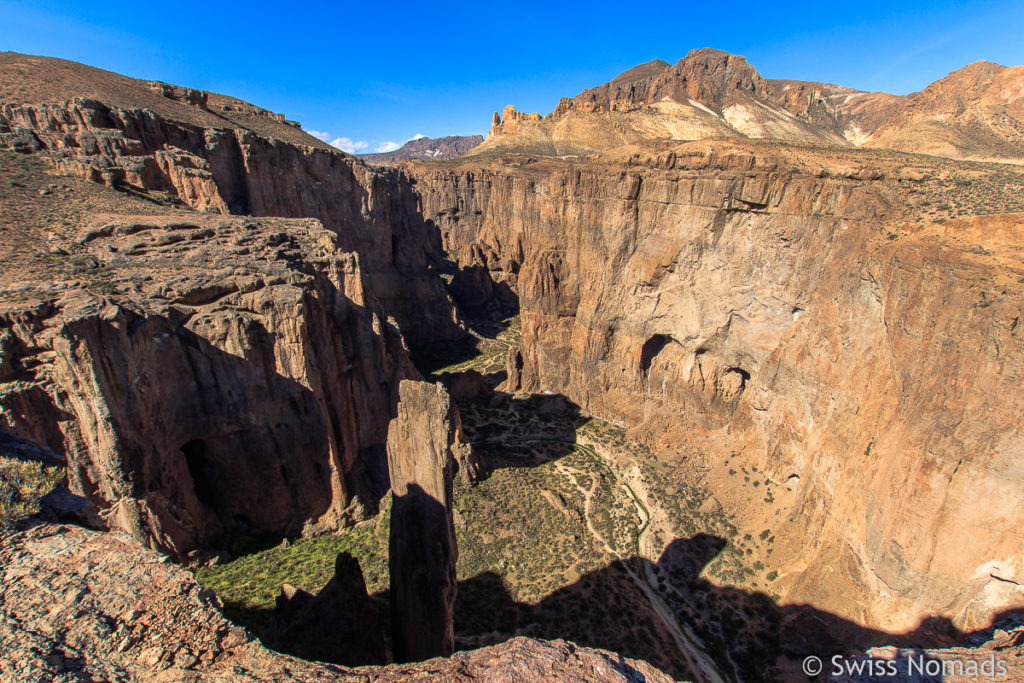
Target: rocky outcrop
{"points": [[425, 148], [85, 605], [974, 113], [221, 155], [790, 311], [339, 624], [231, 375], [422, 549]]}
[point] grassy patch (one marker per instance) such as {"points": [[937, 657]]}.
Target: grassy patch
{"points": [[249, 585]]}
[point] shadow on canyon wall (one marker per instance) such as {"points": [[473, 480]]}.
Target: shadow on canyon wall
{"points": [[220, 445], [744, 631]]}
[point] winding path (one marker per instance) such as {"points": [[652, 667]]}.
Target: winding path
{"points": [[700, 664], [698, 661]]}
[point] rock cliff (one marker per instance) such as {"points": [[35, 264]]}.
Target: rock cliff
{"points": [[218, 154], [842, 324], [210, 374], [422, 550], [790, 311]]}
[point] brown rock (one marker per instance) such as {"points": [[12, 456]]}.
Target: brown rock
{"points": [[422, 549], [796, 327], [210, 371], [162, 139], [339, 624], [464, 385], [67, 610], [514, 371]]}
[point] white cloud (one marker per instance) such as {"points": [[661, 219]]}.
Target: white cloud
{"points": [[348, 145], [358, 146], [344, 144]]}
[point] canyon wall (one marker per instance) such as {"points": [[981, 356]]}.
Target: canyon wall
{"points": [[221, 166], [232, 376], [205, 374], [783, 310]]}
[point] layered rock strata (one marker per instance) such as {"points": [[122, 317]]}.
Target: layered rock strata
{"points": [[210, 374], [221, 155], [422, 549], [785, 310]]}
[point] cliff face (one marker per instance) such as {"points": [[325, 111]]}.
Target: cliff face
{"points": [[221, 155], [196, 360], [778, 309], [232, 375]]}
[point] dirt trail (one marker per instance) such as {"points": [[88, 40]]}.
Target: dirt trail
{"points": [[700, 664]]}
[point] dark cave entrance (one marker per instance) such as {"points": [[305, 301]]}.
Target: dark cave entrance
{"points": [[197, 459], [651, 348]]}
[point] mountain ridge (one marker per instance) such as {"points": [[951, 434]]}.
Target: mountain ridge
{"points": [[424, 148], [973, 113]]}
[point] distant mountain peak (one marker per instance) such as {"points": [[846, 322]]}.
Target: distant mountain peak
{"points": [[424, 148], [976, 112]]}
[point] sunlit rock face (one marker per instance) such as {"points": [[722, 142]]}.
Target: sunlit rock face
{"points": [[783, 307], [235, 377]]}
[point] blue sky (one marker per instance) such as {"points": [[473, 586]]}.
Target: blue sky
{"points": [[370, 73]]}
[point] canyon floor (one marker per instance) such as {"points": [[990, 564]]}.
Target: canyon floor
{"points": [[733, 400], [556, 542]]}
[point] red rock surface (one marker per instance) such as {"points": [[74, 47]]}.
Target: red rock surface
{"points": [[82, 605]]}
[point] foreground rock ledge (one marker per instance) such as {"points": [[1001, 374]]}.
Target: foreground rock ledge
{"points": [[79, 604]]}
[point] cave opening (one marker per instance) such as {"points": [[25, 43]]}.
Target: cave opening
{"points": [[197, 459], [651, 348], [743, 375]]}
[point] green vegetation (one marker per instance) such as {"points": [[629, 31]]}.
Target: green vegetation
{"points": [[22, 484], [484, 352], [978, 189], [549, 541], [249, 585]]}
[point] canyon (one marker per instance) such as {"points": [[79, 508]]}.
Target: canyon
{"points": [[792, 309]]}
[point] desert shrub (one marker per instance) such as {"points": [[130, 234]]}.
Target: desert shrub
{"points": [[22, 485]]}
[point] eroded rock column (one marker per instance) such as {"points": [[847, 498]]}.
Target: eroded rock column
{"points": [[422, 545]]}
